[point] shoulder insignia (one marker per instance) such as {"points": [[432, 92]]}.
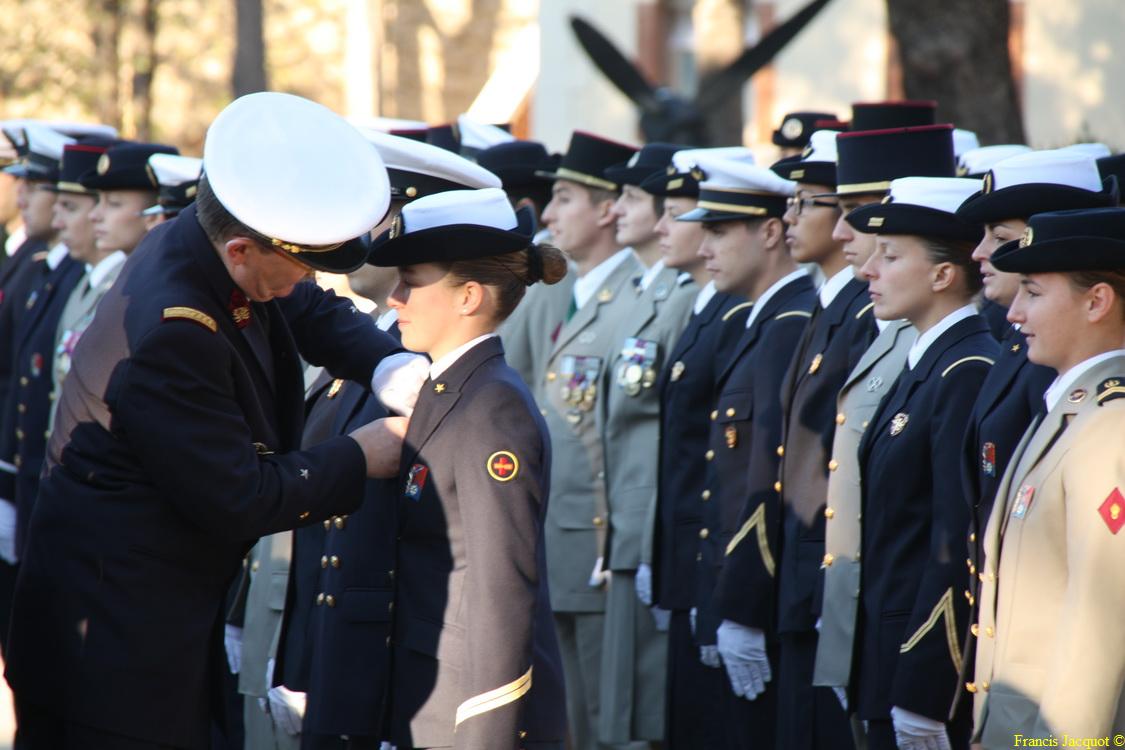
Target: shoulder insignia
{"points": [[963, 360], [731, 312], [1109, 390], [503, 466], [190, 313], [1112, 511], [865, 310], [793, 314]]}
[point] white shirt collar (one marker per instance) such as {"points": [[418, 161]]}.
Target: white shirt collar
{"points": [[56, 254], [706, 294], [760, 303], [386, 319], [882, 324], [1064, 382], [830, 288], [443, 364], [585, 286], [922, 343], [104, 267], [650, 274]]}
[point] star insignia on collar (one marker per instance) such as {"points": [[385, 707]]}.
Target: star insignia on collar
{"points": [[304, 473], [439, 387]]}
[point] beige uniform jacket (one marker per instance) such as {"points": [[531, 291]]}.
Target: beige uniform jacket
{"points": [[1050, 649], [529, 333]]}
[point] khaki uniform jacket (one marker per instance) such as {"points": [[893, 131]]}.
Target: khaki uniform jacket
{"points": [[268, 565], [1050, 654], [530, 332], [865, 387], [569, 395]]}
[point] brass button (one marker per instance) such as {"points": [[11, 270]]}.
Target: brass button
{"points": [[303, 516], [833, 465], [730, 411], [551, 376], [19, 434], [324, 561], [975, 630], [829, 558], [22, 408], [864, 425], [829, 513], [985, 685], [777, 486], [990, 632], [391, 574], [598, 520], [857, 556], [340, 521], [335, 561], [714, 415], [706, 494], [390, 606], [388, 641], [710, 454], [973, 537], [704, 533], [841, 418], [23, 380], [255, 565], [17, 460], [969, 562], [781, 450], [523, 734], [320, 598], [971, 687], [330, 600], [327, 524]]}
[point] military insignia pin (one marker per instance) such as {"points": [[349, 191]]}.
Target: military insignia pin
{"points": [[439, 387], [239, 308], [36, 364], [416, 481], [792, 128], [503, 466], [1112, 511], [815, 364], [874, 384], [1077, 396], [605, 295], [898, 423], [678, 371], [988, 459], [337, 384], [730, 432], [1023, 501]]}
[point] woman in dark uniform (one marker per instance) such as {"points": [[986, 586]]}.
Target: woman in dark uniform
{"points": [[475, 663], [914, 512]]}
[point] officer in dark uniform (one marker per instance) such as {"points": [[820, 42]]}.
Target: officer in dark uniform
{"points": [[908, 649], [744, 246], [1012, 394], [174, 444], [475, 658], [687, 386]]}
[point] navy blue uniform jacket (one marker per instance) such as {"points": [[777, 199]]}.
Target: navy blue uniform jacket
{"points": [[173, 451]]}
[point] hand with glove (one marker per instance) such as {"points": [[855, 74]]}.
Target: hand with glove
{"points": [[287, 708], [232, 643], [743, 651], [398, 379], [916, 732], [8, 532], [662, 617], [643, 584]]}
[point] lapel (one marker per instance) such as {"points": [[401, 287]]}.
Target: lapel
{"points": [[649, 301], [613, 286], [1007, 368], [438, 397], [826, 323], [750, 336], [65, 276], [690, 335], [883, 343]]}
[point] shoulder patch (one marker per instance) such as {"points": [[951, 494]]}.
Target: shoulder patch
{"points": [[1110, 389], [963, 360], [190, 313], [865, 310], [503, 466], [731, 312], [793, 314]]}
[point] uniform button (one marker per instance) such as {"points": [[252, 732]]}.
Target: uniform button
{"points": [[601, 475], [975, 630], [19, 434], [324, 561], [985, 686], [523, 734], [388, 641], [335, 561], [990, 632], [969, 562], [864, 425], [542, 412], [330, 600], [829, 558], [829, 513], [340, 521], [551, 376], [303, 516], [781, 450], [598, 521], [971, 687], [327, 524], [777, 486], [390, 606], [320, 598], [255, 565], [391, 574], [857, 556], [704, 533], [973, 537], [840, 418], [710, 454], [714, 415], [23, 380], [17, 460], [22, 408], [730, 412], [833, 465], [706, 495], [698, 556]]}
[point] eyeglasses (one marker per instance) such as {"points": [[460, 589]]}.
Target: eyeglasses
{"points": [[798, 204]]}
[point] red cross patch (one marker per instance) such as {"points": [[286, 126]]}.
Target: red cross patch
{"points": [[503, 466], [1112, 511]]}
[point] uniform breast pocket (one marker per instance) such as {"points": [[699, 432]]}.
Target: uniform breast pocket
{"points": [[731, 415]]}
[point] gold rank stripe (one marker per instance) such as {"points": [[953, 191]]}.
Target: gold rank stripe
{"points": [[736, 208], [793, 314], [757, 520], [944, 608], [1110, 391], [494, 699], [863, 312], [730, 313], [563, 173], [963, 360], [190, 313]]}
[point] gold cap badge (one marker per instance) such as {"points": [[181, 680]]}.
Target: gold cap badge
{"points": [[103, 164], [1028, 237]]}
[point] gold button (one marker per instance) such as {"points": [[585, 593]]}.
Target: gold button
{"points": [[969, 562], [777, 486], [255, 565], [730, 411], [22, 408], [971, 687], [330, 600], [391, 574], [990, 632], [714, 415], [829, 558], [523, 734], [829, 513], [833, 465], [335, 561], [324, 561], [17, 460], [710, 454], [339, 521], [864, 425], [706, 495], [23, 380], [973, 537], [985, 685], [840, 418], [327, 524], [19, 434], [598, 520], [320, 598], [857, 555], [551, 376], [704, 533], [781, 450], [390, 606], [975, 630], [303, 516]]}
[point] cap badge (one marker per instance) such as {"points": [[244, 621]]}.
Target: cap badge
{"points": [[1113, 511], [396, 226], [1028, 237], [416, 481], [503, 466], [103, 164], [987, 186], [792, 128], [439, 387], [239, 308], [815, 364], [898, 423], [697, 174]]}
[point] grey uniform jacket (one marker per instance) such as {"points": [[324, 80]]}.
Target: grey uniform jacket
{"points": [[865, 387], [530, 333], [268, 566]]}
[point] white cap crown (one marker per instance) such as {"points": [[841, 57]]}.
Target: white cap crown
{"points": [[726, 174], [1069, 167], [488, 207], [939, 193]]}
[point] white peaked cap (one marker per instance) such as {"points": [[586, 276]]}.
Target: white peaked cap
{"points": [[408, 155], [479, 136], [686, 160], [295, 171], [964, 140], [173, 169], [979, 160], [44, 141], [939, 193], [728, 174], [387, 124], [488, 207], [1093, 150], [1064, 166]]}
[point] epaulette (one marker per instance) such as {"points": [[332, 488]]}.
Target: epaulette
{"points": [[730, 313], [963, 360], [864, 311], [190, 313], [793, 314], [1109, 390]]}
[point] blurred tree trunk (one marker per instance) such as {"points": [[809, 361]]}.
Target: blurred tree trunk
{"points": [[718, 39], [249, 73], [107, 23], [956, 52], [143, 70]]}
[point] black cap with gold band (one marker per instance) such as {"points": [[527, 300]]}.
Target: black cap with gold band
{"points": [[586, 159], [1088, 239], [77, 160], [124, 166], [736, 190], [866, 162]]}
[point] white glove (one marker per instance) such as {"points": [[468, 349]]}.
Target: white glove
{"points": [[916, 732], [842, 696], [692, 614], [662, 617], [8, 531], [598, 576], [232, 641], [744, 653], [709, 655], [644, 584], [288, 709], [398, 379]]}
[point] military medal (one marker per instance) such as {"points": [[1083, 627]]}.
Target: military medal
{"points": [[730, 432], [633, 374], [36, 364], [898, 422], [678, 371], [1112, 511], [815, 365], [239, 308], [1023, 501], [416, 481], [988, 459]]}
